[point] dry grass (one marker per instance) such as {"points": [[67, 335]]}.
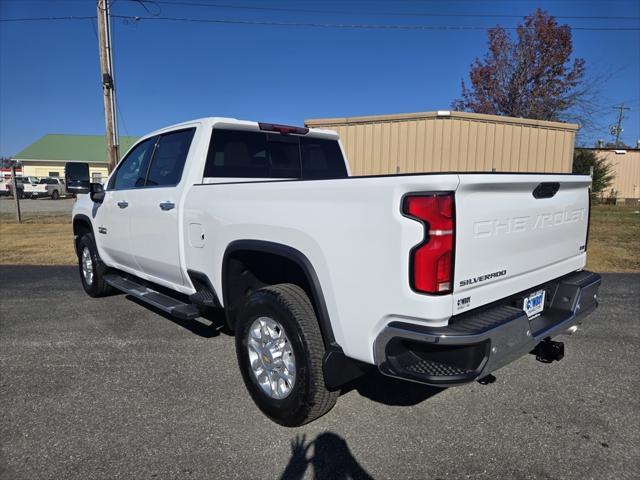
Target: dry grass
{"points": [[614, 240], [40, 240]]}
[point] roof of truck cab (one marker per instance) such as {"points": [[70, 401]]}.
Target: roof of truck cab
{"points": [[93, 148], [227, 121]]}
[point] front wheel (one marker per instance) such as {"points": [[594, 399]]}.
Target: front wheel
{"points": [[280, 349], [55, 195], [91, 268]]}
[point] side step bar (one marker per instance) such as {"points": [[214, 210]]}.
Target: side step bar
{"points": [[170, 305]]}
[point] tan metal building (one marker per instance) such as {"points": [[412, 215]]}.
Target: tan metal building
{"points": [[452, 141], [626, 167]]}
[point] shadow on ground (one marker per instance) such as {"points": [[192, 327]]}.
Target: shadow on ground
{"points": [[390, 391], [328, 456], [211, 324], [372, 385]]}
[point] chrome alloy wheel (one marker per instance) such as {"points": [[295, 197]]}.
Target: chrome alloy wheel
{"points": [[87, 266], [271, 357]]}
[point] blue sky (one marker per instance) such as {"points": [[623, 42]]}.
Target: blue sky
{"points": [[167, 72]]}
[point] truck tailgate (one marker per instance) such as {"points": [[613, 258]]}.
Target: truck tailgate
{"points": [[508, 226]]}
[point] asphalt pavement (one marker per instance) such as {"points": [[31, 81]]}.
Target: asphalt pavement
{"points": [[108, 388]]}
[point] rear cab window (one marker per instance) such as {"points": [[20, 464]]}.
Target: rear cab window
{"points": [[251, 154]]}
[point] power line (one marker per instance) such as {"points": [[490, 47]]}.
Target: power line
{"points": [[40, 19], [307, 24], [365, 12], [347, 25]]}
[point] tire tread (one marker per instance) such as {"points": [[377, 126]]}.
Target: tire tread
{"points": [[100, 288], [294, 299]]}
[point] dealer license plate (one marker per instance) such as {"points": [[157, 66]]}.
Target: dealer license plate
{"points": [[534, 304]]}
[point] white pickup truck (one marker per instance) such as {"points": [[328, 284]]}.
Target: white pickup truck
{"points": [[435, 278], [50, 187]]}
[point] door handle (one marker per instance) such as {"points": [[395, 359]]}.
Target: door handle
{"points": [[123, 204], [167, 205]]}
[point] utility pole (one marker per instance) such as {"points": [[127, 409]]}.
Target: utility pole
{"points": [[617, 129], [108, 83], [14, 184]]}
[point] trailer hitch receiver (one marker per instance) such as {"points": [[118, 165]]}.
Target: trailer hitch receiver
{"points": [[547, 351]]}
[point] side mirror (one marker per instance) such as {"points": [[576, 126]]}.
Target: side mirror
{"points": [[77, 177], [96, 192]]}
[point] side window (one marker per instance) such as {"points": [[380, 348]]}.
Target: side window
{"points": [[168, 161], [133, 168]]}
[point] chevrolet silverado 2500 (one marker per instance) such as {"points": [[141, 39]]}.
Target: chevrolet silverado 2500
{"points": [[434, 278]]}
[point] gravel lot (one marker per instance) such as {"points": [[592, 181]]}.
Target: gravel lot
{"points": [[111, 389], [41, 205]]}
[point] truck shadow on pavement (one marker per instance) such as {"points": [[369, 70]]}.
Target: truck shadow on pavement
{"points": [[212, 325], [331, 459], [372, 385], [390, 391]]}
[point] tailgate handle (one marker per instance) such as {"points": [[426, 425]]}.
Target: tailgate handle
{"points": [[546, 190]]}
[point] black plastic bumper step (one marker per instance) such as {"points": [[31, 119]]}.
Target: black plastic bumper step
{"points": [[166, 303], [436, 369]]}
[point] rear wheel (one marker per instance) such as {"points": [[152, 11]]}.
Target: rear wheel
{"points": [[55, 195], [280, 349], [91, 268]]}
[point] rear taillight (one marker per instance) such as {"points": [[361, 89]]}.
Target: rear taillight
{"points": [[431, 263]]}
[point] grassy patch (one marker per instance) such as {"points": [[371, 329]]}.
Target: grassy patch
{"points": [[614, 240], [40, 240]]}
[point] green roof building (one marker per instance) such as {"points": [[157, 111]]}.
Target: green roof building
{"points": [[47, 156]]}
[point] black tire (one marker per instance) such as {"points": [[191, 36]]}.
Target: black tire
{"points": [[309, 398], [55, 195], [98, 287]]}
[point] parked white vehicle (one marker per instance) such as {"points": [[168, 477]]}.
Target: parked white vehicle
{"points": [[6, 185], [435, 278], [51, 187]]}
